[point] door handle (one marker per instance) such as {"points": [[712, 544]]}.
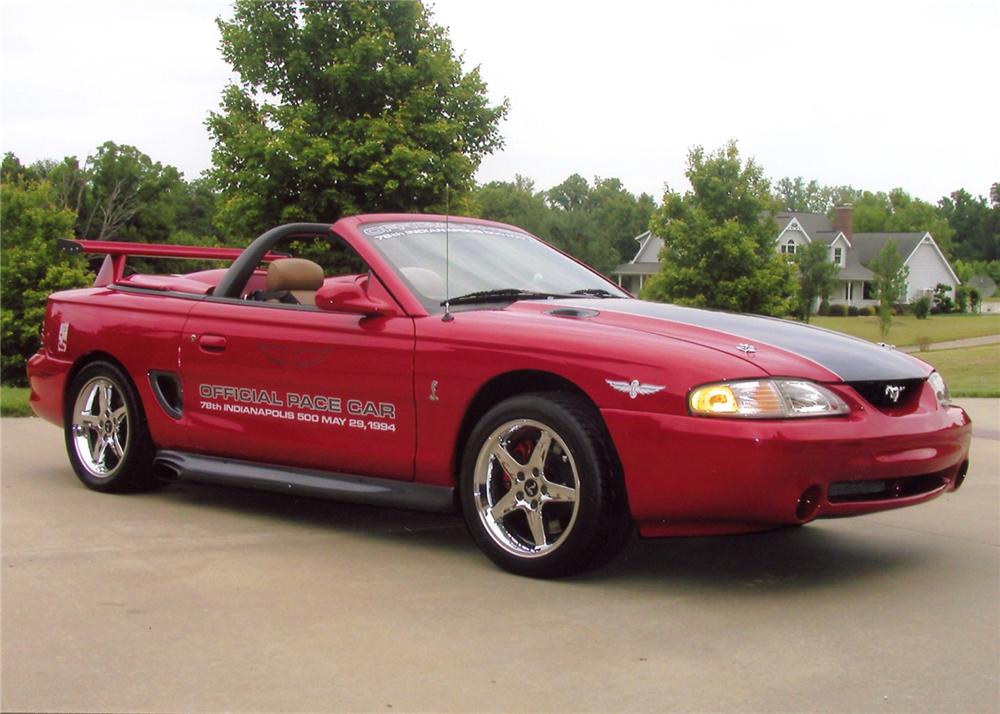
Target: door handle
{"points": [[212, 343]]}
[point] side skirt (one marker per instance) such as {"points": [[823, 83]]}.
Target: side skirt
{"points": [[182, 466]]}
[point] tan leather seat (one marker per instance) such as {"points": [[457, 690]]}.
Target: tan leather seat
{"points": [[297, 276]]}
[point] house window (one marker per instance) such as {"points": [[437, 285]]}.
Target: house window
{"points": [[838, 256], [790, 247], [869, 291]]}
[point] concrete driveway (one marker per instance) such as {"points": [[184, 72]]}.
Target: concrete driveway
{"points": [[203, 599]]}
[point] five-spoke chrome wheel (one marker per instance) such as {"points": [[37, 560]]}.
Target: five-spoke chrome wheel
{"points": [[540, 491], [107, 438], [100, 427], [526, 488]]}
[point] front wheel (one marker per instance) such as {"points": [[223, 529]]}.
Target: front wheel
{"points": [[106, 435], [539, 493]]}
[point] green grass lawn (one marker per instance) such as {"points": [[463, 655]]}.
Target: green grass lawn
{"points": [[969, 372], [14, 401], [908, 330]]}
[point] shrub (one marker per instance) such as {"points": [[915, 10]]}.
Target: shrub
{"points": [[961, 298], [867, 311], [941, 298], [33, 266], [852, 311], [838, 310], [922, 307], [824, 307]]}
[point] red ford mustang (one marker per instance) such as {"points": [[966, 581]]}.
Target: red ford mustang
{"points": [[444, 363]]}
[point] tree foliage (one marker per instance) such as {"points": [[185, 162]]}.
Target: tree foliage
{"points": [[976, 223], [817, 276], [796, 194], [516, 202], [888, 284], [33, 265], [343, 107], [897, 211], [593, 222], [719, 239]]}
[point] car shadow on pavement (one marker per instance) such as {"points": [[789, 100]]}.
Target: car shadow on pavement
{"points": [[787, 558], [783, 559]]}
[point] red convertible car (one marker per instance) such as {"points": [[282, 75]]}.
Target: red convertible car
{"points": [[443, 363]]}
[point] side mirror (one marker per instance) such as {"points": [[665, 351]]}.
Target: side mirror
{"points": [[347, 297]]}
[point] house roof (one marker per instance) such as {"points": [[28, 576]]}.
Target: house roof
{"points": [[868, 245], [854, 270], [637, 269], [812, 223], [649, 248]]}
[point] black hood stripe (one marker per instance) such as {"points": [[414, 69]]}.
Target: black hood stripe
{"points": [[852, 359]]}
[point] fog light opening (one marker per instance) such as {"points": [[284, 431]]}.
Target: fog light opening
{"points": [[960, 476], [808, 503]]}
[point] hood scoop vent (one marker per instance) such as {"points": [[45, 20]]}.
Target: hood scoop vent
{"points": [[577, 313]]}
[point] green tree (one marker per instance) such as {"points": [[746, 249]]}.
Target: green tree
{"points": [[591, 222], [719, 239], [343, 107], [517, 203], [33, 265], [897, 211], [620, 215], [795, 194], [889, 283], [976, 223], [817, 276]]}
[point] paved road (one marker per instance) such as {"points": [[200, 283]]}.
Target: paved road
{"points": [[201, 599], [955, 344]]}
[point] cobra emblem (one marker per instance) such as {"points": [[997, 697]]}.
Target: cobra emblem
{"points": [[894, 391], [634, 388]]}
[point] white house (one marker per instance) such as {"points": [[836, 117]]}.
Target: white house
{"points": [[853, 252]]}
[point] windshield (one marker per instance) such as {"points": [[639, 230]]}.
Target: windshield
{"points": [[480, 259]]}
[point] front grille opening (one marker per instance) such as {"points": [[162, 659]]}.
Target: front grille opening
{"points": [[893, 394], [885, 490]]}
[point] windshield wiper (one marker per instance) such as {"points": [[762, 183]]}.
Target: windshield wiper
{"points": [[501, 294], [595, 292]]}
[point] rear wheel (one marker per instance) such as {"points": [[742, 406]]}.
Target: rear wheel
{"points": [[106, 434], [539, 493]]}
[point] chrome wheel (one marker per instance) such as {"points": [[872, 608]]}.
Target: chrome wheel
{"points": [[526, 488], [100, 427]]}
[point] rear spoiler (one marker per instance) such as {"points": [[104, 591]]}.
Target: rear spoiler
{"points": [[113, 268]]}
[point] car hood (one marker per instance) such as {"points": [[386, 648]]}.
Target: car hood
{"points": [[778, 346]]}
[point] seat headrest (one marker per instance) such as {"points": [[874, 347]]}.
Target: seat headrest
{"points": [[294, 274]]}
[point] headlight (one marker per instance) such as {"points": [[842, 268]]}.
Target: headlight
{"points": [[940, 389], [766, 399]]}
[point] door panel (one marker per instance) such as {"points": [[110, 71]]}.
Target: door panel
{"points": [[300, 387]]}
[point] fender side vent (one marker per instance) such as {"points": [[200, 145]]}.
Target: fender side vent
{"points": [[167, 390]]}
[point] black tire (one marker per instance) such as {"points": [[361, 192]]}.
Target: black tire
{"points": [[107, 438], [558, 507]]}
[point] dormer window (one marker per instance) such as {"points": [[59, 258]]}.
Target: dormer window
{"points": [[790, 247], [838, 257]]}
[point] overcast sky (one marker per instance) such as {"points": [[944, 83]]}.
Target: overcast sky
{"points": [[876, 94]]}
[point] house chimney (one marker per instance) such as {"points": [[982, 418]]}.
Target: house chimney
{"points": [[843, 221]]}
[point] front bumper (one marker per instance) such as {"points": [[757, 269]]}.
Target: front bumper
{"points": [[690, 475]]}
